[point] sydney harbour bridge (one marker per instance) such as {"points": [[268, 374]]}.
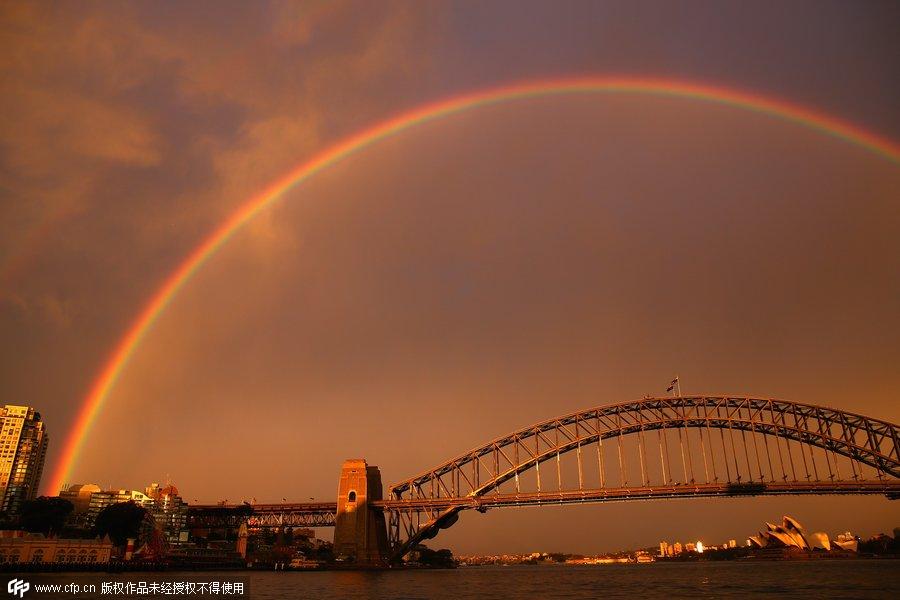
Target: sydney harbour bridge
{"points": [[653, 448]]}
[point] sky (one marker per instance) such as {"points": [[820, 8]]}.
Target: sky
{"points": [[459, 281]]}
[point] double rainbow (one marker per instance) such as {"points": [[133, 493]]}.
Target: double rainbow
{"points": [[115, 364]]}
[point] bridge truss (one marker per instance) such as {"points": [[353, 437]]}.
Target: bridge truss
{"points": [[699, 446], [262, 516]]}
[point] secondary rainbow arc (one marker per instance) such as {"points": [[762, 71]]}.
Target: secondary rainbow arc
{"points": [[157, 304]]}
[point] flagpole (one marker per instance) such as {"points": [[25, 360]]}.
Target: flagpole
{"points": [[678, 383]]}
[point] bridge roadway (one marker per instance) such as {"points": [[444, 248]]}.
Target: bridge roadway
{"points": [[322, 514], [301, 514], [698, 490]]}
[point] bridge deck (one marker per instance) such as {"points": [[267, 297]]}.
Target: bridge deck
{"points": [[699, 490], [276, 507]]}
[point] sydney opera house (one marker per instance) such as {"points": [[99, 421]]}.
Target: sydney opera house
{"points": [[789, 536]]}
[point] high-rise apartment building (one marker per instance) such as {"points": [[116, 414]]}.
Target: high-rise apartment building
{"points": [[164, 504], [23, 447]]}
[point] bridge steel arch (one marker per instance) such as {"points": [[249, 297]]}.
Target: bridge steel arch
{"points": [[422, 505]]}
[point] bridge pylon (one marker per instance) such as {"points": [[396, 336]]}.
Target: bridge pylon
{"points": [[360, 532]]}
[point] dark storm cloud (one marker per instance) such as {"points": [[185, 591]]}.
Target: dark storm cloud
{"points": [[465, 279]]}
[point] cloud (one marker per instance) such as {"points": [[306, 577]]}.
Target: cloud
{"points": [[38, 311], [166, 126], [130, 131]]}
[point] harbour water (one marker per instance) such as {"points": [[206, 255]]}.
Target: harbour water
{"points": [[734, 579], [819, 579]]}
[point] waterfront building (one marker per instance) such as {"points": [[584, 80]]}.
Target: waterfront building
{"points": [[677, 548], [164, 504], [664, 549], [819, 541], [847, 541], [102, 499], [80, 497], [169, 510], [787, 535], [23, 448], [19, 547]]}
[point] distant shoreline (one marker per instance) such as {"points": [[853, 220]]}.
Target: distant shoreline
{"points": [[163, 570]]}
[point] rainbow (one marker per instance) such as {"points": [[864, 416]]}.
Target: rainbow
{"points": [[119, 358]]}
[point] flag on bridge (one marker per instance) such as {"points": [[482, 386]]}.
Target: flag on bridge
{"points": [[672, 385]]}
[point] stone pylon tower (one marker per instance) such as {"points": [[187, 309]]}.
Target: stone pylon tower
{"points": [[360, 533]]}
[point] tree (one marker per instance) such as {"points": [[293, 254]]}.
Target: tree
{"points": [[435, 558], [6, 521], [45, 515], [120, 522]]}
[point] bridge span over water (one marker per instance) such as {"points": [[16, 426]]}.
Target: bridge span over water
{"points": [[653, 448]]}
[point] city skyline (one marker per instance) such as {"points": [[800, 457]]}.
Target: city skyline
{"points": [[460, 279]]}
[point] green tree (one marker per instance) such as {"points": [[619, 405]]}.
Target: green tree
{"points": [[120, 522], [45, 515]]}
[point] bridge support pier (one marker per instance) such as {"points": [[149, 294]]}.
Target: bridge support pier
{"points": [[360, 532]]}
